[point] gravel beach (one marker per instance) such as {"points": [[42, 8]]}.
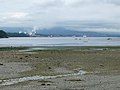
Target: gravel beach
{"points": [[100, 68]]}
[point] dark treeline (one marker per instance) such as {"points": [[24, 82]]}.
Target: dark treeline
{"points": [[3, 34], [17, 35]]}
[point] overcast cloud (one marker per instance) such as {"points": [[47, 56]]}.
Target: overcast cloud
{"points": [[79, 14]]}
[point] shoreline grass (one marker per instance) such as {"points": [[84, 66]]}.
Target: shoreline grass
{"points": [[47, 48], [13, 48]]}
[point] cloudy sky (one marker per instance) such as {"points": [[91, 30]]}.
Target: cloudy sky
{"points": [[91, 15]]}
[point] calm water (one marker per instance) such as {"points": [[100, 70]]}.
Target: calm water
{"points": [[60, 41]]}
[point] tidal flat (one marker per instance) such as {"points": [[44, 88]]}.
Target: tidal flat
{"points": [[101, 64]]}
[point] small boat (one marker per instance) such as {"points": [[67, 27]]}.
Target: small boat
{"points": [[50, 36], [76, 38], [84, 36], [109, 39], [85, 39]]}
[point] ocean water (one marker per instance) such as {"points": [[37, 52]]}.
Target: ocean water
{"points": [[60, 41]]}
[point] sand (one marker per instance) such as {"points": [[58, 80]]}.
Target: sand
{"points": [[101, 66]]}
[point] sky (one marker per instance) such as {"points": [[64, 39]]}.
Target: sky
{"points": [[86, 15]]}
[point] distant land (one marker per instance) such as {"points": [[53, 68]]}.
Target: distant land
{"points": [[55, 31], [15, 34], [3, 34], [66, 32]]}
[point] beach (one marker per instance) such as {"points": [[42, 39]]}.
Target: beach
{"points": [[60, 68], [60, 45]]}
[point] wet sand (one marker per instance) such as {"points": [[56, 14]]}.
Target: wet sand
{"points": [[101, 64]]}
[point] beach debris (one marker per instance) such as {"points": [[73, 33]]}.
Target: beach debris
{"points": [[36, 57], [26, 56], [101, 65], [42, 59], [82, 72], [48, 84], [21, 58], [49, 68], [82, 89], [73, 80], [105, 49], [43, 84], [1, 64]]}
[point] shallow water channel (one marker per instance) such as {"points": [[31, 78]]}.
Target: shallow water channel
{"points": [[23, 79]]}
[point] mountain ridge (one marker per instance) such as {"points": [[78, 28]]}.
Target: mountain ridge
{"points": [[60, 31]]}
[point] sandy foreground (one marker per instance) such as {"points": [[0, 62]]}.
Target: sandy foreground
{"points": [[67, 69]]}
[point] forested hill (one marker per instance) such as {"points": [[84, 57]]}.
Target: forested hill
{"points": [[3, 34]]}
